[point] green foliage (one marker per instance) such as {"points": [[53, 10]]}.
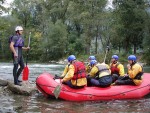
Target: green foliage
{"points": [[79, 27], [54, 42], [2, 8], [6, 30], [36, 50], [130, 16], [146, 41]]}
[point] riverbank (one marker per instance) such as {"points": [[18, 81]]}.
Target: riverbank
{"points": [[123, 58]]}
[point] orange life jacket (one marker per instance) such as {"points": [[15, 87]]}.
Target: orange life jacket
{"points": [[80, 70], [114, 69]]}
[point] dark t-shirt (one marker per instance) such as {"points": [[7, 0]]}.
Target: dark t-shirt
{"points": [[19, 48]]}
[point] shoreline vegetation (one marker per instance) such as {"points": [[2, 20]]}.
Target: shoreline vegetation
{"points": [[69, 31], [84, 58]]}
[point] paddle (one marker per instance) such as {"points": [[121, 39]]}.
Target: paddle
{"points": [[26, 69], [57, 90], [107, 49]]}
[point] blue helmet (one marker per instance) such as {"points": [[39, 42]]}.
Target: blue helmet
{"points": [[132, 57], [71, 58], [93, 62], [115, 57], [92, 58]]}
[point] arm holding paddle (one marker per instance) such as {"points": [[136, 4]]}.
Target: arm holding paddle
{"points": [[63, 74], [63, 77], [28, 47], [57, 89], [25, 48], [73, 77], [58, 77]]}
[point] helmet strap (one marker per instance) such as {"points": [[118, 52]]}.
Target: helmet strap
{"points": [[18, 32], [114, 62], [71, 62], [133, 62], [92, 65]]}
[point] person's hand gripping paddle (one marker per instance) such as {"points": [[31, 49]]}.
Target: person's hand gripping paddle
{"points": [[26, 69], [57, 89]]}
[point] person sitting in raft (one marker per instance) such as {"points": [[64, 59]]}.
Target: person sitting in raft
{"points": [[100, 74], [117, 69], [88, 67], [74, 74], [135, 72]]}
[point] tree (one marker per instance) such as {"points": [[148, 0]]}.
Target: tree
{"points": [[2, 8], [86, 18], [146, 41], [131, 15], [54, 43]]}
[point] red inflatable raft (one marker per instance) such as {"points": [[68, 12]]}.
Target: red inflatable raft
{"points": [[46, 84]]}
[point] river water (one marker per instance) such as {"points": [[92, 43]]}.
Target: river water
{"points": [[37, 103]]}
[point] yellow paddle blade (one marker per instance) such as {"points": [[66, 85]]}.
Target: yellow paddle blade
{"points": [[56, 91]]}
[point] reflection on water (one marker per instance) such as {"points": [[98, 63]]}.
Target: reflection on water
{"points": [[37, 103], [43, 105]]}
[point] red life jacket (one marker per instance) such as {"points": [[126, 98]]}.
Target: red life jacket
{"points": [[114, 69], [80, 70]]}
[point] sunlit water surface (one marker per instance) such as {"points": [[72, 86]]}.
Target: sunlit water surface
{"points": [[37, 103]]}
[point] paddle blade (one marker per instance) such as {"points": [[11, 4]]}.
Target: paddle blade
{"points": [[56, 91], [25, 74]]}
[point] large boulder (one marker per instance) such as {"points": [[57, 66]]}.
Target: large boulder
{"points": [[3, 82], [26, 88]]}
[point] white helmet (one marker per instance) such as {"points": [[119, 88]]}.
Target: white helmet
{"points": [[18, 28]]}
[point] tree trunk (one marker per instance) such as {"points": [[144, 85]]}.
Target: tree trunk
{"points": [[88, 40], [119, 47], [96, 41], [96, 45], [134, 48], [127, 44]]}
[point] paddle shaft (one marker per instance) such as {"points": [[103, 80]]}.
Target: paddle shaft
{"points": [[28, 46], [105, 55], [27, 56]]}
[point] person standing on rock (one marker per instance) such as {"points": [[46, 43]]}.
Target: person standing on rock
{"points": [[16, 45]]}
